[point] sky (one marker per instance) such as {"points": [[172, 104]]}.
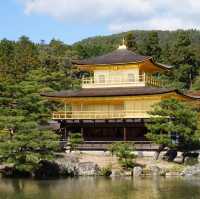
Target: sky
{"points": [[73, 20]]}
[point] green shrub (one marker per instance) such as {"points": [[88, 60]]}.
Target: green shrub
{"points": [[106, 171], [74, 140], [124, 152]]}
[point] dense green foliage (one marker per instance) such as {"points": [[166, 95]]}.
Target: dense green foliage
{"points": [[106, 171], [124, 153], [28, 70], [131, 41], [74, 140], [174, 124]]}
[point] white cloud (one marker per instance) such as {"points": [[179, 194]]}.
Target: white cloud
{"points": [[121, 15]]}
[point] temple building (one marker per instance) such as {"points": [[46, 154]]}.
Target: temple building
{"points": [[114, 102]]}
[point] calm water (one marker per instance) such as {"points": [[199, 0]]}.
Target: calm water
{"points": [[102, 188]]}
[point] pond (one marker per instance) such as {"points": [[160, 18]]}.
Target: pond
{"points": [[101, 188]]}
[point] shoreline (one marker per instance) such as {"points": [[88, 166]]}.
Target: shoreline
{"points": [[78, 164]]}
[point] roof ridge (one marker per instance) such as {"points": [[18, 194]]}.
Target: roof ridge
{"points": [[118, 56]]}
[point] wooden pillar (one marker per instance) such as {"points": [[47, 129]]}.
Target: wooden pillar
{"points": [[65, 110], [125, 136], [82, 130], [65, 133]]}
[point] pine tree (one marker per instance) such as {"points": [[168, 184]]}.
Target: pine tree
{"points": [[182, 57], [175, 125], [26, 57], [165, 54], [131, 42], [7, 54], [23, 142], [151, 45]]}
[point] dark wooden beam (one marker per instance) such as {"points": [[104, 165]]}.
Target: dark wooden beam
{"points": [[82, 132], [125, 136]]}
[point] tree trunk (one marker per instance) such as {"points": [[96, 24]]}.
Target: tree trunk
{"points": [[159, 150], [184, 155]]}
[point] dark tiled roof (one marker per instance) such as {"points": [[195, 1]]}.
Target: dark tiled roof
{"points": [[106, 92], [119, 56]]}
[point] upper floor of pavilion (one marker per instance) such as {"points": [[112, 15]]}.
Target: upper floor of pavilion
{"points": [[121, 68], [121, 86]]}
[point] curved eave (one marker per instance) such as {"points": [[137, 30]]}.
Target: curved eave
{"points": [[163, 66], [187, 96], [75, 94], [57, 96]]}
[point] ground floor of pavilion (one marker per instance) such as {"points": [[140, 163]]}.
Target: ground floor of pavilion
{"points": [[99, 134]]}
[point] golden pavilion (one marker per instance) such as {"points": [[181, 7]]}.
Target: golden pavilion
{"points": [[114, 102]]}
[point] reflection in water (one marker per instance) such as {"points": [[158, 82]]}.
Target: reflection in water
{"points": [[101, 188]]}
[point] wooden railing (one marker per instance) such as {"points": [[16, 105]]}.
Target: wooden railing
{"points": [[140, 80], [100, 114], [104, 145], [151, 81]]}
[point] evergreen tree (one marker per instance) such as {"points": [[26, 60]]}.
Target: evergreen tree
{"points": [[124, 152], [182, 57], [75, 139], [131, 42], [174, 124], [7, 54], [151, 45], [58, 48], [23, 112], [26, 57], [165, 54], [180, 51]]}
